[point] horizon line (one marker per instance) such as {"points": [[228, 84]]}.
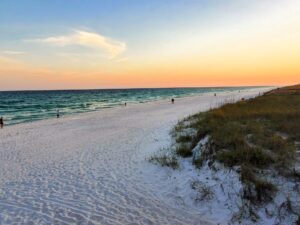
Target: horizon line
{"points": [[137, 88]]}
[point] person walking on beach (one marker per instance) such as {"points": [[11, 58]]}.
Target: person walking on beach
{"points": [[172, 100], [1, 122], [57, 113]]}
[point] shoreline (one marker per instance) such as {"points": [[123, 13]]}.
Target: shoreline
{"points": [[92, 165], [120, 106]]}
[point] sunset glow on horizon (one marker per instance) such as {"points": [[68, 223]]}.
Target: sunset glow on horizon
{"points": [[113, 44]]}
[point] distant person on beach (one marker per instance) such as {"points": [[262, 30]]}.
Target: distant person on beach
{"points": [[215, 94], [125, 104], [1, 122], [57, 113], [172, 100]]}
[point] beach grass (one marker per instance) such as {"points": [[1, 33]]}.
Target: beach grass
{"points": [[165, 160], [184, 150], [258, 133]]}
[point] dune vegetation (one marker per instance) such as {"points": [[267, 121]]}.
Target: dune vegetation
{"points": [[252, 134], [256, 137]]}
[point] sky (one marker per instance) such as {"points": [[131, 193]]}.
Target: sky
{"points": [[78, 44]]}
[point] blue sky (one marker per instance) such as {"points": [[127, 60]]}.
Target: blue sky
{"points": [[138, 22], [112, 17]]}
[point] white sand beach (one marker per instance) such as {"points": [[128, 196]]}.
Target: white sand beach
{"points": [[92, 168]]}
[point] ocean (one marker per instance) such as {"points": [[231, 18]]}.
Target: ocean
{"points": [[27, 106]]}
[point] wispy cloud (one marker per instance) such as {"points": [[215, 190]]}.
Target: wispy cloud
{"points": [[8, 52], [112, 47]]}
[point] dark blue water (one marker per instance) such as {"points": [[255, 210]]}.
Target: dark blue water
{"points": [[26, 106]]}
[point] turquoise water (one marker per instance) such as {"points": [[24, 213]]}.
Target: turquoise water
{"points": [[26, 106]]}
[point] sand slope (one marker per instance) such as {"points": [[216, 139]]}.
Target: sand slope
{"points": [[92, 169]]}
